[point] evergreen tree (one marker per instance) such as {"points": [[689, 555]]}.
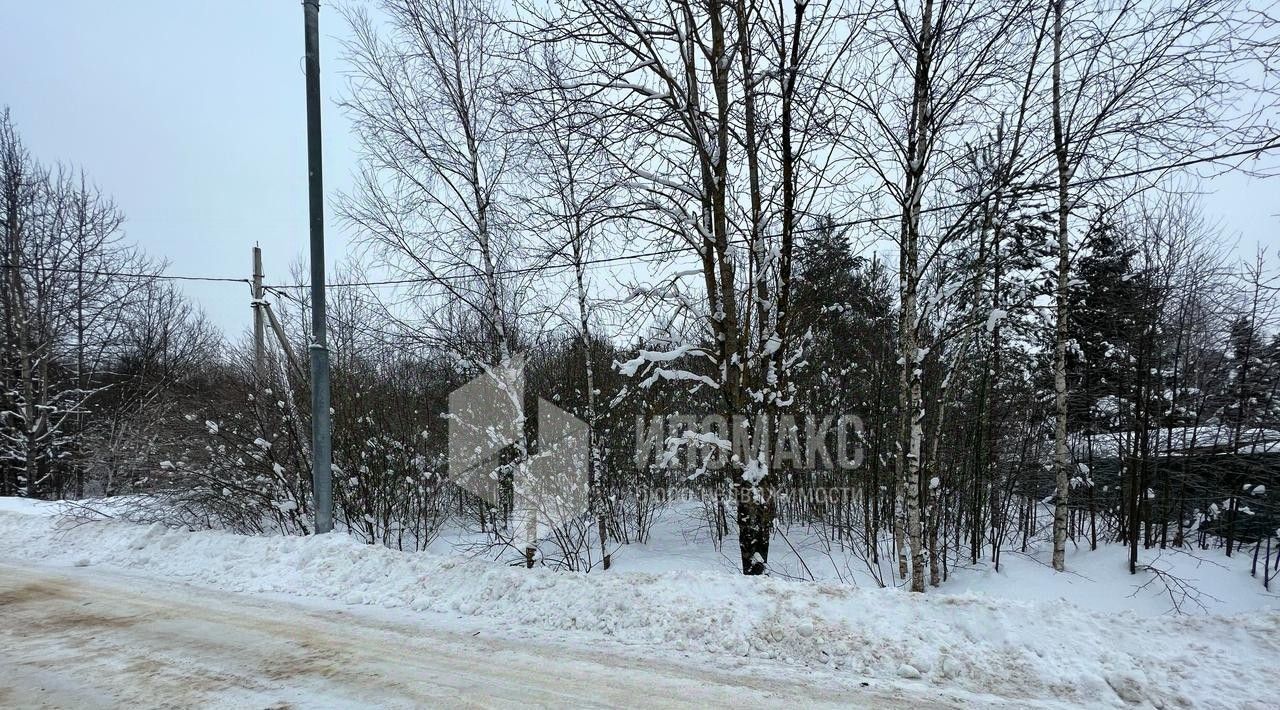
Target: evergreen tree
{"points": [[1106, 306]]}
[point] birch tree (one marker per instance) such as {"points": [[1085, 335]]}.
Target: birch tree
{"points": [[441, 171], [717, 113], [1130, 81], [574, 188], [952, 67]]}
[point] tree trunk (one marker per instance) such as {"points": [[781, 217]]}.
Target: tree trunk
{"points": [[1061, 474]]}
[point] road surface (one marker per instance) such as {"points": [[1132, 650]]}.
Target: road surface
{"points": [[87, 638]]}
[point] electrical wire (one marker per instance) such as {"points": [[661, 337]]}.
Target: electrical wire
{"points": [[1271, 144]]}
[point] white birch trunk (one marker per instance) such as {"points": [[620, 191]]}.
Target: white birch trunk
{"points": [[1061, 474]]}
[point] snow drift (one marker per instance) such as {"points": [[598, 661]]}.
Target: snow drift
{"points": [[980, 645]]}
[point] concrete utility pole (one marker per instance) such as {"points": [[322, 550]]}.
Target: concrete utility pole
{"points": [[321, 446], [259, 328]]}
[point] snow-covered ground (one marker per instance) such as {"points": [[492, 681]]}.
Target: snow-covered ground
{"points": [[1097, 580], [1024, 636], [92, 638]]}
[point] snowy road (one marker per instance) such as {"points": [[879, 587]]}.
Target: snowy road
{"points": [[88, 638]]}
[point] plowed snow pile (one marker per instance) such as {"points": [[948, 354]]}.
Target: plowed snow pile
{"points": [[1029, 650]]}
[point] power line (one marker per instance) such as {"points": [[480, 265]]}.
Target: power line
{"points": [[125, 274], [1270, 145]]}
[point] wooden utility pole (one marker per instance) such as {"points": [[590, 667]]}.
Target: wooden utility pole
{"points": [[259, 321], [263, 316]]}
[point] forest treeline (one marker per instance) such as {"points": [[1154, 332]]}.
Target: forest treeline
{"points": [[973, 225]]}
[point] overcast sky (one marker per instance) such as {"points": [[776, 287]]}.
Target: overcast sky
{"points": [[191, 114]]}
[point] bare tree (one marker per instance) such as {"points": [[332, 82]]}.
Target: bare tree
{"points": [[1130, 80], [69, 279], [572, 203], [718, 113], [429, 99]]}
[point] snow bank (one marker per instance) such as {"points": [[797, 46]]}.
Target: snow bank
{"points": [[30, 506], [1097, 580], [1018, 650]]}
